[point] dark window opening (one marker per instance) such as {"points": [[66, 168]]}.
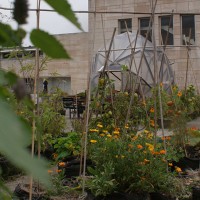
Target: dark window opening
{"points": [[145, 26], [122, 25], [167, 35], [188, 30]]}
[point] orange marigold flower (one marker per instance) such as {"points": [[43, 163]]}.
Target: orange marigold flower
{"points": [[50, 171], [116, 136], [61, 164], [155, 153], [130, 146], [179, 94], [162, 151], [152, 110], [93, 141], [178, 169], [58, 170], [55, 155], [161, 84], [139, 146]]}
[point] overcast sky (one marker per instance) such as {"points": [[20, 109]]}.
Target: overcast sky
{"points": [[49, 21]]}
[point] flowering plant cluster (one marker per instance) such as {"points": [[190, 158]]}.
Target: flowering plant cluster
{"points": [[134, 162]]}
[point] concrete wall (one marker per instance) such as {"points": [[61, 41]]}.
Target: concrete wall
{"points": [[101, 27]]}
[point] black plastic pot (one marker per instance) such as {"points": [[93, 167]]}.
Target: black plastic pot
{"points": [[23, 194], [120, 196], [196, 193], [159, 196]]}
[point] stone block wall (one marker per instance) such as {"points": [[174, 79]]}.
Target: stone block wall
{"points": [[101, 27]]}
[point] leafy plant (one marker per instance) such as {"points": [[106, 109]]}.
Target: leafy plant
{"points": [[68, 145]]}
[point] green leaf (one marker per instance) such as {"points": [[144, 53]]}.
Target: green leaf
{"points": [[9, 37], [48, 44], [14, 137], [64, 9]]}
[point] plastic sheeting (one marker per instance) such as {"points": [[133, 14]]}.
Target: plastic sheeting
{"points": [[127, 51]]}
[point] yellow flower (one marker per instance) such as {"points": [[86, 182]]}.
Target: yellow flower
{"points": [[179, 94], [102, 134], [93, 141], [122, 156], [116, 132], [170, 164], [178, 169], [126, 126], [152, 110], [61, 164], [134, 138], [116, 156], [161, 84], [94, 130], [109, 136], [150, 147], [100, 125], [146, 131], [105, 131], [139, 146]]}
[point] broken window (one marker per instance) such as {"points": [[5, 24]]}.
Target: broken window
{"points": [[122, 25], [167, 35], [188, 30], [145, 26]]}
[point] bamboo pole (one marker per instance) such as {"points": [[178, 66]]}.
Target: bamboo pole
{"points": [[111, 12], [140, 64], [35, 112]]}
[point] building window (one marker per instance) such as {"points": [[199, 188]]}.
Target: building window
{"points": [[122, 25], [167, 35], [144, 27], [188, 30]]}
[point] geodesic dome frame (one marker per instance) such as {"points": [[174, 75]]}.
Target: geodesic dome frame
{"points": [[127, 64]]}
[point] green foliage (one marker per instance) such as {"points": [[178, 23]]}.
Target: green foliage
{"points": [[10, 37], [68, 145], [48, 44], [102, 182], [64, 9]]}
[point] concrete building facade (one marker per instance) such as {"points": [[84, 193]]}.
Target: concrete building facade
{"points": [[69, 75], [179, 19]]}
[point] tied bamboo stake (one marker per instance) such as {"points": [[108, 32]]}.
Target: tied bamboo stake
{"points": [[140, 64], [36, 99]]}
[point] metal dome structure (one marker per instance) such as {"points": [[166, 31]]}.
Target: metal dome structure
{"points": [[131, 61]]}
